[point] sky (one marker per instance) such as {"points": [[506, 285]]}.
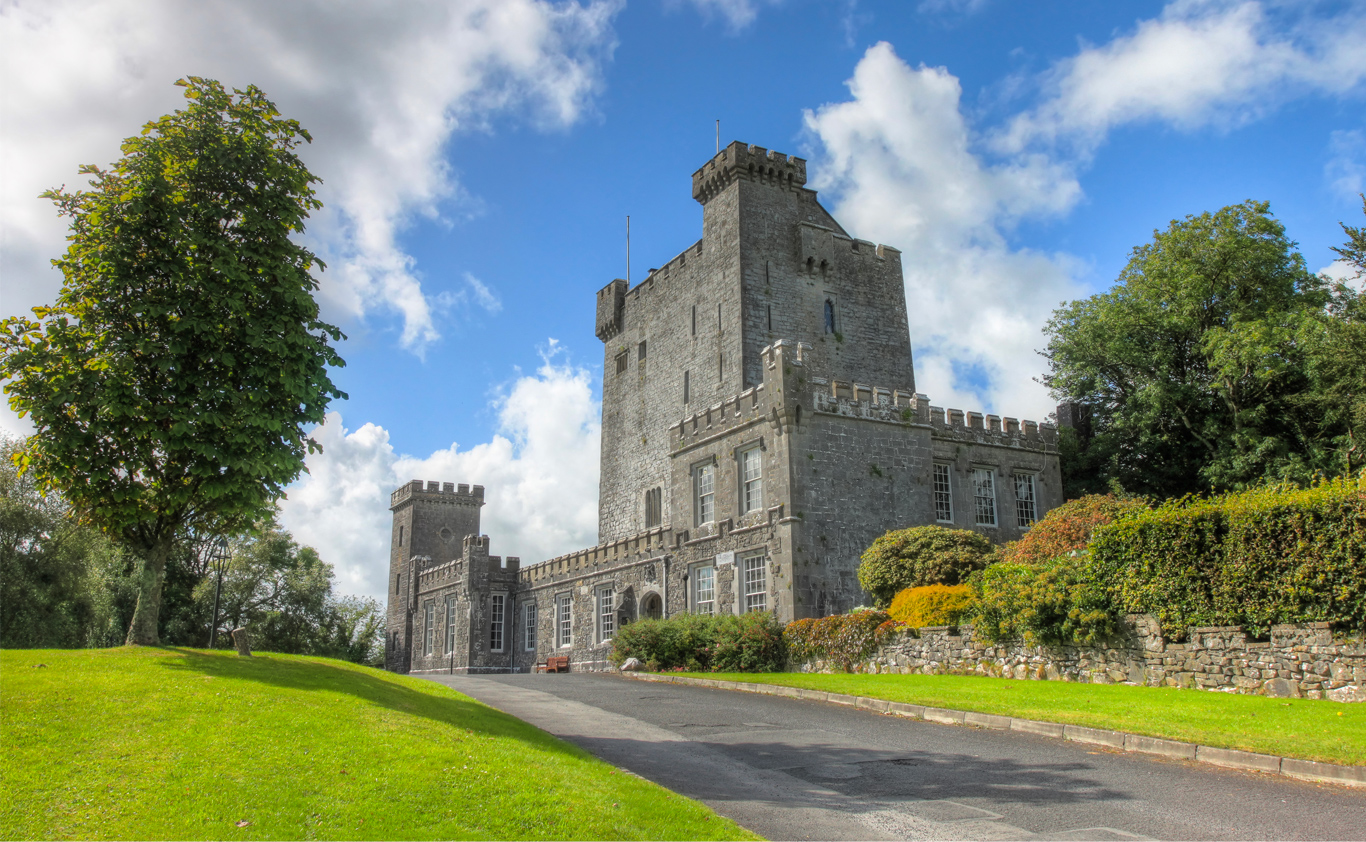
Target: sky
{"points": [[479, 159]]}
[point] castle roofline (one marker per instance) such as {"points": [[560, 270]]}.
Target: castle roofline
{"points": [[752, 163]]}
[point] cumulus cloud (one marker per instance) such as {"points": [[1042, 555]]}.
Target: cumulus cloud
{"points": [[382, 87], [1345, 171], [737, 14], [898, 158], [540, 472], [1201, 62]]}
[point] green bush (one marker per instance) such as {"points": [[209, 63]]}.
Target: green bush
{"points": [[841, 639], [1056, 602], [1277, 554], [751, 642], [932, 605], [922, 555], [1069, 527]]}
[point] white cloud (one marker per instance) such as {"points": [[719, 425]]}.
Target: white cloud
{"points": [[737, 14], [899, 159], [382, 87], [1200, 62], [540, 474], [1345, 172]]}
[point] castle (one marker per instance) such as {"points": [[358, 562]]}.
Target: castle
{"points": [[760, 428]]}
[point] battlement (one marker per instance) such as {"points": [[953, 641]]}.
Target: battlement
{"points": [[638, 547], [735, 411], [752, 163], [611, 300], [975, 426], [873, 403], [445, 492]]}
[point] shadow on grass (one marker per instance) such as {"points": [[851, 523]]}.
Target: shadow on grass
{"points": [[375, 688]]}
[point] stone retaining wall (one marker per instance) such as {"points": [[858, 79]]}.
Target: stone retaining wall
{"points": [[1300, 661]]}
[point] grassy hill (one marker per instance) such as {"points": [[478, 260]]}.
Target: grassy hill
{"points": [[186, 744]]}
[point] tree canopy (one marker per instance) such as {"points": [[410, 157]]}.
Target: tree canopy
{"points": [[171, 383], [1211, 363]]}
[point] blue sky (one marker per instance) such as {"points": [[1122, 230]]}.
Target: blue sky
{"points": [[480, 158]]}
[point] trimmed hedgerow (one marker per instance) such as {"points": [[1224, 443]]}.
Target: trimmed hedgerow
{"points": [[704, 643], [1069, 527], [921, 555], [841, 639], [1055, 602], [932, 605], [1278, 554]]}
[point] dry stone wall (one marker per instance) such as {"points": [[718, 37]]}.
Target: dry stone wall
{"points": [[1299, 661]]}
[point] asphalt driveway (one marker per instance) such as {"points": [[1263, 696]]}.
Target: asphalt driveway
{"points": [[792, 769]]}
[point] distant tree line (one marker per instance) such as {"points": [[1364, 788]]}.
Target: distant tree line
{"points": [[1216, 362], [65, 585]]}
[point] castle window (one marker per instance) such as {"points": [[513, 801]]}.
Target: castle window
{"points": [[983, 497], [607, 614], [704, 493], [751, 480], [756, 585], [685, 388], [621, 363], [640, 352], [398, 582], [943, 495], [703, 590], [694, 320], [529, 627], [496, 614], [654, 505], [565, 619], [770, 318], [400, 536], [718, 317], [1026, 512], [428, 627], [830, 315], [450, 624]]}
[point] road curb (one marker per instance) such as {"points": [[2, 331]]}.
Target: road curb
{"points": [[1290, 767]]}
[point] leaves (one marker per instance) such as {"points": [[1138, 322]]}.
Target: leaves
{"points": [[921, 555]]}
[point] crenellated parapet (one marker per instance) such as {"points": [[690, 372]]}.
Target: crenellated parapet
{"points": [[740, 161], [438, 492], [871, 403], [975, 427], [649, 544]]}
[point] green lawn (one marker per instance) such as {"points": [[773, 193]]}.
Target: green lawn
{"points": [[1303, 728], [186, 744]]}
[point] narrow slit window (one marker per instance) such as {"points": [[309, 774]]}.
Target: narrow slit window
{"points": [[694, 320], [450, 624], [685, 389], [428, 627]]}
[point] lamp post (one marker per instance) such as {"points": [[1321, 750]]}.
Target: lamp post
{"points": [[218, 556]]}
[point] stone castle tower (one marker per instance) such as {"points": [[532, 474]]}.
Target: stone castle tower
{"points": [[760, 427]]}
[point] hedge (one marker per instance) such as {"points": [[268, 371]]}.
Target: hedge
{"points": [[751, 642], [1056, 602], [840, 639], [932, 605], [1271, 555], [921, 555], [1068, 528]]}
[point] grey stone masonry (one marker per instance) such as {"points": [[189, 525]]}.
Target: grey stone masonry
{"points": [[760, 428], [1299, 661]]}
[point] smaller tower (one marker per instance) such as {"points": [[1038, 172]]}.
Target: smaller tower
{"points": [[430, 526]]}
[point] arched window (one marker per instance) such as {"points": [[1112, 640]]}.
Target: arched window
{"points": [[829, 316]]}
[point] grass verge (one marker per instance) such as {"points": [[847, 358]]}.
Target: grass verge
{"points": [[1309, 729], [184, 744]]}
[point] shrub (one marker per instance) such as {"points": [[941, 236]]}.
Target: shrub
{"points": [[841, 639], [922, 555], [1069, 527], [1055, 602], [932, 605], [702, 642], [1277, 554], [751, 642]]}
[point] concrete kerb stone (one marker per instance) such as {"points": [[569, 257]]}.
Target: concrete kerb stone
{"points": [[1310, 770]]}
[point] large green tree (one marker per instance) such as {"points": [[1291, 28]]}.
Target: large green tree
{"points": [[171, 384], [1197, 368]]}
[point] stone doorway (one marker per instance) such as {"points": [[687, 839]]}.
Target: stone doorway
{"points": [[651, 607]]}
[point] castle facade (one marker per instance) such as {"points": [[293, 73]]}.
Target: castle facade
{"points": [[760, 428]]}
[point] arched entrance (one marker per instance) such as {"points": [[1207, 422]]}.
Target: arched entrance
{"points": [[651, 607]]}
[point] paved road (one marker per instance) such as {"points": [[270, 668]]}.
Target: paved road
{"points": [[792, 769]]}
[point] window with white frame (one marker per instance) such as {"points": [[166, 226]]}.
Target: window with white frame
{"points": [[984, 497], [607, 614], [751, 480], [564, 620], [754, 569], [943, 495], [450, 624], [704, 589], [704, 493], [497, 614], [1026, 508], [529, 626], [428, 627]]}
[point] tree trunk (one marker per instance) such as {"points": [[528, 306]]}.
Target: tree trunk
{"points": [[143, 630]]}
